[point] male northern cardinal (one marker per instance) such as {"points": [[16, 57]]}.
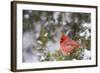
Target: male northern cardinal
{"points": [[67, 44]]}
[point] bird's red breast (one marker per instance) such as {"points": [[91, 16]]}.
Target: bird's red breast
{"points": [[67, 44]]}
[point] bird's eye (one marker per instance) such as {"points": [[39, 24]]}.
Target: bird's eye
{"points": [[61, 40]]}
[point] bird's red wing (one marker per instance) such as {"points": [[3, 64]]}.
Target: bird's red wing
{"points": [[66, 48]]}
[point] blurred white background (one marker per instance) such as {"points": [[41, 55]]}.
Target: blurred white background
{"points": [[5, 36]]}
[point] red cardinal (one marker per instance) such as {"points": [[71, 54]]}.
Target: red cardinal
{"points": [[67, 44]]}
